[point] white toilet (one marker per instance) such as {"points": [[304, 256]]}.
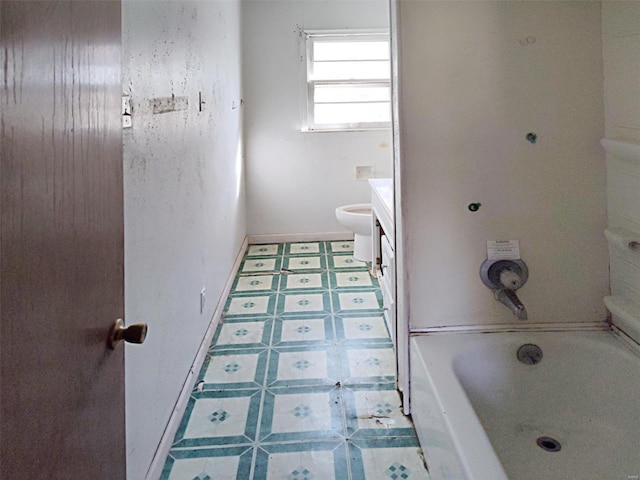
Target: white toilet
{"points": [[357, 218]]}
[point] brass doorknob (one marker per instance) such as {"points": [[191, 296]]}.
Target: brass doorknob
{"points": [[132, 334]]}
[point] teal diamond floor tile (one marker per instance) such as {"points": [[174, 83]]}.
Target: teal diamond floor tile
{"points": [[264, 250], [361, 328], [304, 281], [296, 414], [208, 464], [312, 303], [250, 305], [219, 418], [343, 262], [302, 460], [375, 411], [344, 246], [304, 248], [351, 302], [352, 280], [303, 331], [367, 364], [243, 333], [302, 367], [258, 265], [230, 369], [387, 459], [255, 283], [302, 264]]}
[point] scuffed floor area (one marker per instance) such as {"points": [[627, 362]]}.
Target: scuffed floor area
{"points": [[299, 382]]}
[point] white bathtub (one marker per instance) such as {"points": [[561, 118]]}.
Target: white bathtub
{"points": [[478, 411]]}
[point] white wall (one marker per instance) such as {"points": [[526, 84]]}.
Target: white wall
{"points": [[476, 77], [184, 197], [621, 52], [296, 180]]}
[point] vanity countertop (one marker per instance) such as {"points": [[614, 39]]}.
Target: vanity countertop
{"points": [[382, 203]]}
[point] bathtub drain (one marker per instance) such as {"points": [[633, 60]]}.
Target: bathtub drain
{"points": [[529, 354], [549, 444]]}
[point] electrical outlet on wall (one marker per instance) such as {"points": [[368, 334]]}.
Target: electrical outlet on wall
{"points": [[203, 299], [126, 111]]}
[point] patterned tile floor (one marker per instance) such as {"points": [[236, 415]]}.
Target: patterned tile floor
{"points": [[299, 381]]}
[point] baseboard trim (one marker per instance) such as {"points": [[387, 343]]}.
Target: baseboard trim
{"points": [[299, 237], [157, 464]]}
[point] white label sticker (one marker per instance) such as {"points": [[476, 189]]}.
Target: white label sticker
{"points": [[503, 250]]}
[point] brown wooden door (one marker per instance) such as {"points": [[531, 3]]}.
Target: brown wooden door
{"points": [[61, 277]]}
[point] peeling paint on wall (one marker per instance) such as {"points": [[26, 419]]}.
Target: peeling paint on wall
{"points": [[169, 104], [184, 194]]}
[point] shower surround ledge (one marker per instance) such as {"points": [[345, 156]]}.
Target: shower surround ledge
{"points": [[623, 233]]}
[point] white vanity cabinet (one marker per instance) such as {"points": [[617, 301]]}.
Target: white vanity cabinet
{"points": [[383, 238]]}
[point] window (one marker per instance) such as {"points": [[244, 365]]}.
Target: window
{"points": [[348, 81]]}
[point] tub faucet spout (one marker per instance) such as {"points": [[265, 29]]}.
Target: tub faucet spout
{"points": [[513, 303]]}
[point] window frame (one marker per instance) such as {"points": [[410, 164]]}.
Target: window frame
{"points": [[309, 38]]}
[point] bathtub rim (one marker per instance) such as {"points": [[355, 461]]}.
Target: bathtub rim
{"points": [[482, 462], [478, 463]]}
